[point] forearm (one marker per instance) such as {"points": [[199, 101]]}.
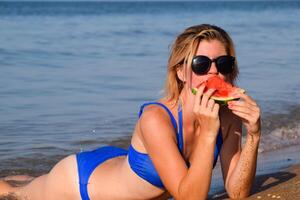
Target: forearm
{"points": [[241, 179], [196, 183]]}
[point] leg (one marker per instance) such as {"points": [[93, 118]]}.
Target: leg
{"points": [[50, 186]]}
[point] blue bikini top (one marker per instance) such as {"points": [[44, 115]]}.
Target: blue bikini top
{"points": [[141, 163]]}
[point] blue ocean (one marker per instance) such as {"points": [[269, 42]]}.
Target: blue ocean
{"points": [[74, 74]]}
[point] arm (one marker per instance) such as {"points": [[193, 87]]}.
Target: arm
{"points": [[160, 142], [196, 183], [239, 165], [240, 182]]}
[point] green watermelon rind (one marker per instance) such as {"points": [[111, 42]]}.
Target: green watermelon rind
{"points": [[220, 100]]}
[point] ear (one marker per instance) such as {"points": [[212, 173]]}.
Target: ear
{"points": [[180, 74]]}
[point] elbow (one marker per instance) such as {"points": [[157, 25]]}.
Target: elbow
{"points": [[190, 193], [238, 193], [181, 192], [238, 196]]}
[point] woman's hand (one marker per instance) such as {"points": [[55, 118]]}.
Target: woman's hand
{"points": [[248, 111], [207, 112]]}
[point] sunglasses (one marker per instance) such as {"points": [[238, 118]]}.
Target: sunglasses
{"points": [[202, 64]]}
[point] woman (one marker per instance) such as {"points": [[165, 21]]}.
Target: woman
{"points": [[176, 141]]}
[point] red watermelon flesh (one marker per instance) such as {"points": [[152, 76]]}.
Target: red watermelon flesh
{"points": [[224, 91]]}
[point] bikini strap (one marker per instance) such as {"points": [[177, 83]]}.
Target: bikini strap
{"points": [[165, 107], [179, 134], [218, 146]]}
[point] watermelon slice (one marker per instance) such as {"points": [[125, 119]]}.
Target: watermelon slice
{"points": [[224, 91]]}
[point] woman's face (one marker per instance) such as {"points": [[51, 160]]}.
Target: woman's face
{"points": [[212, 49]]}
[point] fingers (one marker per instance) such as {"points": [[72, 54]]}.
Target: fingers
{"points": [[251, 119], [242, 115], [199, 95], [205, 99], [202, 98], [243, 106], [246, 98], [206, 112], [215, 109], [203, 103], [210, 104], [247, 109]]}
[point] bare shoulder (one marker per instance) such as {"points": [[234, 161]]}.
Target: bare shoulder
{"points": [[154, 112], [159, 139], [156, 120]]}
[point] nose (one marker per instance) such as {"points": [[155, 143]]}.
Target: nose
{"points": [[213, 68]]}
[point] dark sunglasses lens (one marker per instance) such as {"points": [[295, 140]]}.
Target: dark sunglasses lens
{"points": [[200, 65], [225, 64]]}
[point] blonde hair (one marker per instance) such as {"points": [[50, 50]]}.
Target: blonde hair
{"points": [[183, 50]]}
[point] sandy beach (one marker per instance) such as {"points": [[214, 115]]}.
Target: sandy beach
{"points": [[284, 185], [281, 183]]}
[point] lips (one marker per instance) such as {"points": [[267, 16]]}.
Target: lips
{"points": [[204, 80]]}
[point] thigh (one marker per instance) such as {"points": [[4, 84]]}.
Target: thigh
{"points": [[60, 183]]}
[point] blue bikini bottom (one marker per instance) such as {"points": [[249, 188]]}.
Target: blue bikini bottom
{"points": [[87, 161]]}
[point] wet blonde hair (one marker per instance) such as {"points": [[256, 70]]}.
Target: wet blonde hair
{"points": [[184, 49]]}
